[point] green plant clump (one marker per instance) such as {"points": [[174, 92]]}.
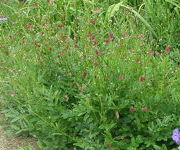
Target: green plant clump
{"points": [[92, 75]]}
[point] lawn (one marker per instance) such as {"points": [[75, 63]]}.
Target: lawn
{"points": [[92, 75]]}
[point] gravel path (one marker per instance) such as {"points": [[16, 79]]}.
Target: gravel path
{"points": [[3, 142], [6, 144], [10, 142]]}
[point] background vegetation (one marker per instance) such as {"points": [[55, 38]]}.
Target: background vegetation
{"points": [[92, 75]]}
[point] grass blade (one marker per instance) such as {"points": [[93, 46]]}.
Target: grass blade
{"points": [[115, 7]]}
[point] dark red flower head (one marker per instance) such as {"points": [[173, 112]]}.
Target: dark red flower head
{"points": [[84, 74], [98, 53], [142, 79], [144, 109], [150, 52], [139, 36], [168, 48], [121, 77], [111, 36]]}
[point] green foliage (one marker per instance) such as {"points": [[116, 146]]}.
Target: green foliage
{"points": [[161, 18], [26, 148], [90, 74]]}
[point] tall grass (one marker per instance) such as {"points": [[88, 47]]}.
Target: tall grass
{"points": [[92, 74]]}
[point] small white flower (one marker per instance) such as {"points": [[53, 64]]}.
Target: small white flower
{"points": [[3, 19]]}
